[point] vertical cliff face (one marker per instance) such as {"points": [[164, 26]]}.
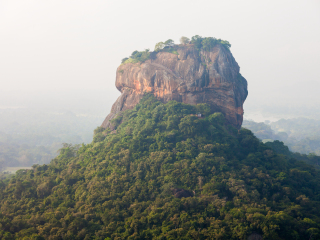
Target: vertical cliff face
{"points": [[192, 76]]}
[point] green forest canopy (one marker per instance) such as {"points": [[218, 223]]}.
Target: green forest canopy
{"points": [[307, 148], [121, 185]]}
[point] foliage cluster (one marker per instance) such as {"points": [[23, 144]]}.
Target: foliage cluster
{"points": [[167, 46], [207, 43], [142, 56], [161, 45], [137, 56], [280, 148], [120, 185], [184, 40]]}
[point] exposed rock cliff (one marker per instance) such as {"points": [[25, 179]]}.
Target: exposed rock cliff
{"points": [[191, 77]]}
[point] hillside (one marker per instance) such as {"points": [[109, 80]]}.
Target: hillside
{"points": [[164, 173], [303, 134], [300, 141]]}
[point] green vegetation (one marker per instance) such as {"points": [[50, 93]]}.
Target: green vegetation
{"points": [[207, 43], [137, 56], [296, 138], [184, 40], [161, 45], [280, 148], [170, 50], [120, 186]]}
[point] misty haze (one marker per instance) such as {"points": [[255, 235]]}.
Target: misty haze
{"points": [[86, 104]]}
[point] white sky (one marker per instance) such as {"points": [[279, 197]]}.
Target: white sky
{"points": [[65, 51]]}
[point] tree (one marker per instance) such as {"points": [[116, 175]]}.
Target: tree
{"points": [[225, 43], [159, 46], [169, 43], [279, 147], [197, 41], [184, 40], [124, 59], [208, 43], [195, 38], [133, 54]]}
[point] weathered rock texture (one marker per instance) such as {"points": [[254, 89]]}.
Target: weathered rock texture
{"points": [[191, 77]]}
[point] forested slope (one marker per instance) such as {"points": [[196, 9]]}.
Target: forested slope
{"points": [[124, 184], [306, 147]]}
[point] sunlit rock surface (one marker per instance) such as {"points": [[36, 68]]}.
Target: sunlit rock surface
{"points": [[191, 77]]}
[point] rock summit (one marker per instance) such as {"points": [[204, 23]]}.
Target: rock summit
{"points": [[188, 75]]}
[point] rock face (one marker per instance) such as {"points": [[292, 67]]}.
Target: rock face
{"points": [[191, 76]]}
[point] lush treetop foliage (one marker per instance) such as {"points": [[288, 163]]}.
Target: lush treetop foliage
{"points": [[280, 148], [201, 43], [207, 43], [120, 186], [161, 45], [137, 56], [184, 40], [302, 138]]}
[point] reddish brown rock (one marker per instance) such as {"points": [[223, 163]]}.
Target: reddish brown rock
{"points": [[191, 77]]}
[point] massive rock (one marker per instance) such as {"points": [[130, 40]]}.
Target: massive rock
{"points": [[191, 76]]}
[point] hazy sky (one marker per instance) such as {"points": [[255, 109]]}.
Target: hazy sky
{"points": [[67, 52]]}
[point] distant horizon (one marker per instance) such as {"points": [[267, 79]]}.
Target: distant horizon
{"points": [[257, 113], [99, 103]]}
